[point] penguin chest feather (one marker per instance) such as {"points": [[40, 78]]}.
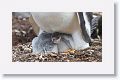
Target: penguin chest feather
{"points": [[56, 22]]}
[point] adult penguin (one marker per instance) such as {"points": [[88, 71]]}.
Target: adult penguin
{"points": [[75, 23]]}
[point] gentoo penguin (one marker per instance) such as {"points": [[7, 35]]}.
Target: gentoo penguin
{"points": [[52, 42], [96, 30], [75, 24]]}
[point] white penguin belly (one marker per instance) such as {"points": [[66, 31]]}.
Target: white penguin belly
{"points": [[56, 21]]}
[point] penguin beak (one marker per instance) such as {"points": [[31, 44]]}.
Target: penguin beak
{"points": [[81, 20]]}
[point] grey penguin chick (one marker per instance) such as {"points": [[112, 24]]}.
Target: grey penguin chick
{"points": [[52, 42], [43, 43]]}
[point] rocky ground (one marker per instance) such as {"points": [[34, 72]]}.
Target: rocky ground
{"points": [[22, 35]]}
